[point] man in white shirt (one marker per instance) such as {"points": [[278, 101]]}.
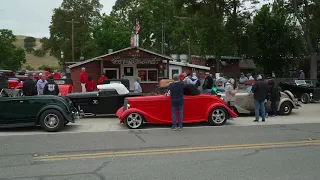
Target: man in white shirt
{"points": [[243, 78], [137, 87]]}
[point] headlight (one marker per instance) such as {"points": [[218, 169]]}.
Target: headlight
{"points": [[311, 94], [128, 106]]}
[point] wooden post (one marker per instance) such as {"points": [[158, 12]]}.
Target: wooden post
{"points": [[72, 36]]}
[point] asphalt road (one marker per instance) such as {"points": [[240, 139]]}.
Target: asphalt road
{"points": [[286, 152]]}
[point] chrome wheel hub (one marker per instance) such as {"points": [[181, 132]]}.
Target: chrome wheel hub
{"points": [[134, 120], [51, 120], [218, 116]]}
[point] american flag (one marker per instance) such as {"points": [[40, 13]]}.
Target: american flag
{"points": [[137, 26]]}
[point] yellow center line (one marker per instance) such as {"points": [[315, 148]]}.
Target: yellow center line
{"points": [[176, 150]]}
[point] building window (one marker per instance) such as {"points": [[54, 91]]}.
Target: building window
{"points": [[174, 71], [148, 75]]}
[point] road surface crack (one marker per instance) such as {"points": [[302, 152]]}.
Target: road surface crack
{"points": [[140, 138]]}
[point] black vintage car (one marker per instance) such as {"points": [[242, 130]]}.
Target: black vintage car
{"points": [[304, 90], [52, 113], [106, 101], [3, 82]]}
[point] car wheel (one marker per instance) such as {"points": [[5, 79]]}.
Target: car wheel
{"points": [[285, 108], [218, 116], [134, 120], [305, 98], [52, 120]]}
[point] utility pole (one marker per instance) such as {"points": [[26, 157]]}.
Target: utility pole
{"points": [[72, 35], [163, 39]]}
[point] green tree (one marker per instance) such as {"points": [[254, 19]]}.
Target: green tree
{"points": [[84, 12], [307, 13], [10, 57], [108, 34], [29, 43], [276, 37]]}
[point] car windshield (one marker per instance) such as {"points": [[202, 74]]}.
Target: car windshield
{"points": [[245, 88], [300, 82]]}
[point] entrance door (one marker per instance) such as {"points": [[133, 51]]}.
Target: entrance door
{"points": [[111, 73], [129, 72]]}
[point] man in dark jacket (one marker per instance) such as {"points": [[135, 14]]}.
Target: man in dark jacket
{"points": [[260, 90], [29, 86], [176, 100], [51, 88], [208, 84], [274, 96]]}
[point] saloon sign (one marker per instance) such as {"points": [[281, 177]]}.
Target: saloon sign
{"points": [[134, 60]]}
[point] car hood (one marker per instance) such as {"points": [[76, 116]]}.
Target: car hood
{"points": [[83, 95]]}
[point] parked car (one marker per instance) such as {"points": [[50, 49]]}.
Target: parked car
{"points": [[244, 103], [157, 110], [52, 113], [65, 86], [106, 101], [11, 74], [304, 90]]}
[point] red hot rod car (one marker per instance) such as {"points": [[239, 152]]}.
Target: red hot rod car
{"points": [[156, 109]]}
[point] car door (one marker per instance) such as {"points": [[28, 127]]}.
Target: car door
{"points": [[193, 109], [15, 110], [31, 105]]}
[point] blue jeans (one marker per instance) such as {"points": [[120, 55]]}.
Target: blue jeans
{"points": [[259, 106], [274, 108], [174, 109], [207, 91]]}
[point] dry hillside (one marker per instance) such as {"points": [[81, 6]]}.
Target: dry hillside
{"points": [[32, 60]]}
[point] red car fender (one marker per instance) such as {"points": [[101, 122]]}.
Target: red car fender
{"points": [[232, 114], [132, 110], [119, 112], [65, 89]]}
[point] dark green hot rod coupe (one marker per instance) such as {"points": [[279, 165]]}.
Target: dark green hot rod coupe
{"points": [[52, 113]]}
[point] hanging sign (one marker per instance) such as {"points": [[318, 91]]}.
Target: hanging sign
{"points": [[134, 61]]}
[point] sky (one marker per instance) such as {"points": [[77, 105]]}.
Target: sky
{"points": [[32, 17]]}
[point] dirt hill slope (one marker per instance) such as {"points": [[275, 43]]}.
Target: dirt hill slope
{"points": [[32, 60]]}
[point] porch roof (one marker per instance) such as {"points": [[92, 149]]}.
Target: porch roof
{"points": [[116, 52]]}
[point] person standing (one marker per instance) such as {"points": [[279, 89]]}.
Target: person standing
{"points": [[56, 75], [102, 78], [40, 84], [243, 78], [51, 88], [302, 75], [220, 82], [83, 79], [208, 84], [274, 97], [90, 86], [137, 87], [176, 100], [29, 86], [230, 93], [260, 91]]}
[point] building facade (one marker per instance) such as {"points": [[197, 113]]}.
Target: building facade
{"points": [[131, 63]]}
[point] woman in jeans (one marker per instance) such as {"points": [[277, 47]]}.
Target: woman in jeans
{"points": [[230, 93]]}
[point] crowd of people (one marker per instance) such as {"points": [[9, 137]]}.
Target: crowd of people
{"points": [[262, 90], [41, 84]]}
